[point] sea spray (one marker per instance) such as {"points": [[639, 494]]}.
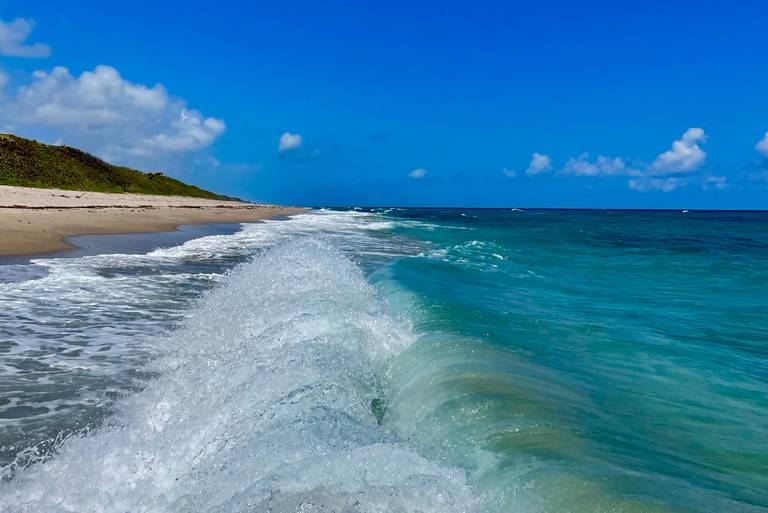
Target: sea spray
{"points": [[262, 403], [76, 333]]}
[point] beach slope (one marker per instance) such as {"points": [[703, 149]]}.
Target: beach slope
{"points": [[36, 221]]}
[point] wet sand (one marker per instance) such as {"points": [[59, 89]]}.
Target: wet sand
{"points": [[37, 221]]}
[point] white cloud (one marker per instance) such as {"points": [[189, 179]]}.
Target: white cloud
{"points": [[684, 157], [762, 145], [647, 184], [509, 173], [539, 164], [13, 37], [108, 115], [289, 141], [602, 166], [419, 172], [190, 131]]}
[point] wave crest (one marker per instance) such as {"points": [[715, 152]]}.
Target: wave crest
{"points": [[263, 403]]}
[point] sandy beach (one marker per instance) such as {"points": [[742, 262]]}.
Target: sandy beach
{"points": [[34, 221]]}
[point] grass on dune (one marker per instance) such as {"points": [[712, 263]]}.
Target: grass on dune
{"points": [[28, 163]]}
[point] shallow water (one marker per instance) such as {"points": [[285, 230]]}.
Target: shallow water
{"points": [[396, 360]]}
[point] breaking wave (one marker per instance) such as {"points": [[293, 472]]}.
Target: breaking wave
{"points": [[269, 397]]}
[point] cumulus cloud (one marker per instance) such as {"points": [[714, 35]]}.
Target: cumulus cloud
{"points": [[108, 115], [602, 166], [289, 141], [647, 184], [13, 40], [685, 155], [509, 173], [762, 145], [190, 131], [419, 172], [669, 171], [539, 164]]}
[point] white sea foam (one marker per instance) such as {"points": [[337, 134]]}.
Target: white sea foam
{"points": [[263, 402], [380, 225], [75, 331]]}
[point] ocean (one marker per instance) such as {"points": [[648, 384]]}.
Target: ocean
{"points": [[403, 360]]}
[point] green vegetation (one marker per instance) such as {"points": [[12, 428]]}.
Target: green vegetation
{"points": [[32, 164]]}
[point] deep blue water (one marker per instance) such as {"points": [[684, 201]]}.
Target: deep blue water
{"points": [[397, 360]]}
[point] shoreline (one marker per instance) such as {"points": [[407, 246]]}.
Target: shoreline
{"points": [[125, 243], [37, 222]]}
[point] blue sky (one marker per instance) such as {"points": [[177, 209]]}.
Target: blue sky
{"points": [[406, 103]]}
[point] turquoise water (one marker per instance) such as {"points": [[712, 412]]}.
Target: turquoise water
{"points": [[397, 360], [621, 355]]}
